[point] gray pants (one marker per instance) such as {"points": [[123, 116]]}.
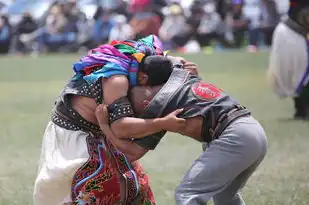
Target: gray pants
{"points": [[225, 166]]}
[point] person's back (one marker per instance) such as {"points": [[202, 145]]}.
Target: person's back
{"points": [[204, 105], [201, 99], [234, 140]]}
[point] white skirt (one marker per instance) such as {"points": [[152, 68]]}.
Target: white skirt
{"points": [[288, 61], [63, 152]]}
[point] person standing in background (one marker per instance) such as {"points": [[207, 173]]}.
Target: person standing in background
{"points": [[102, 27], [270, 17], [175, 31], [240, 23], [144, 21], [252, 11], [5, 37], [122, 30], [289, 63], [25, 26]]}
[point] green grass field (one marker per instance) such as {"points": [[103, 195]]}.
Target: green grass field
{"points": [[28, 87]]}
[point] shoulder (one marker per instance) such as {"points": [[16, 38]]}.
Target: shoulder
{"points": [[283, 35], [117, 80], [282, 30]]}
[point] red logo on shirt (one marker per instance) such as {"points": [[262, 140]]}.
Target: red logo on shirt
{"points": [[206, 91]]}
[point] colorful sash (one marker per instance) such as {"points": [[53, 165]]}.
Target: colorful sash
{"points": [[117, 58]]}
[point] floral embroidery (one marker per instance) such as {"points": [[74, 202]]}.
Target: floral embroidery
{"points": [[97, 182]]}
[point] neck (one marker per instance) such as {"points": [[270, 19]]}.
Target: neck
{"points": [[155, 89]]}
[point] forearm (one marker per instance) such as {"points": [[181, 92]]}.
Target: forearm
{"points": [[129, 127], [132, 150]]}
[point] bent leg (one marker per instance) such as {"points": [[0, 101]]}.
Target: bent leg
{"points": [[239, 147], [230, 195]]}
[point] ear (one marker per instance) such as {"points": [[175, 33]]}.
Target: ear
{"points": [[142, 78]]}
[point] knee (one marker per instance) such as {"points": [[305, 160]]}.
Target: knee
{"points": [[181, 193], [178, 192]]}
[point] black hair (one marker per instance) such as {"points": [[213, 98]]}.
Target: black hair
{"points": [[158, 69]]}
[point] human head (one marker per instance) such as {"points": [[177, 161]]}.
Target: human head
{"points": [[56, 9], [120, 20], [140, 96], [154, 70], [106, 15], [209, 8], [176, 10]]}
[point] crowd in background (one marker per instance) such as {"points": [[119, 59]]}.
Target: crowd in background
{"points": [[68, 27]]}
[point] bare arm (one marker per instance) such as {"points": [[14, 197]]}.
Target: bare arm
{"points": [[169, 123], [129, 148], [117, 87]]}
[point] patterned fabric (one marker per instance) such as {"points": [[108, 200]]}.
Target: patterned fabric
{"points": [[119, 109], [117, 58], [107, 172]]}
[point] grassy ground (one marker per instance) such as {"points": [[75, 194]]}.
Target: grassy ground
{"points": [[28, 87]]}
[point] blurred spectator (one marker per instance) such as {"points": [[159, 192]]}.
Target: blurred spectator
{"points": [[144, 20], [270, 17], [253, 13], [26, 25], [174, 30], [102, 27], [197, 13], [71, 11], [122, 9], [224, 8], [212, 27], [182, 24], [84, 37], [98, 13], [208, 28], [240, 23], [5, 35], [122, 30], [157, 6], [59, 30]]}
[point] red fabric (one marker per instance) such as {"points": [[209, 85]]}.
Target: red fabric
{"points": [[99, 182], [138, 5], [144, 184], [116, 42]]}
